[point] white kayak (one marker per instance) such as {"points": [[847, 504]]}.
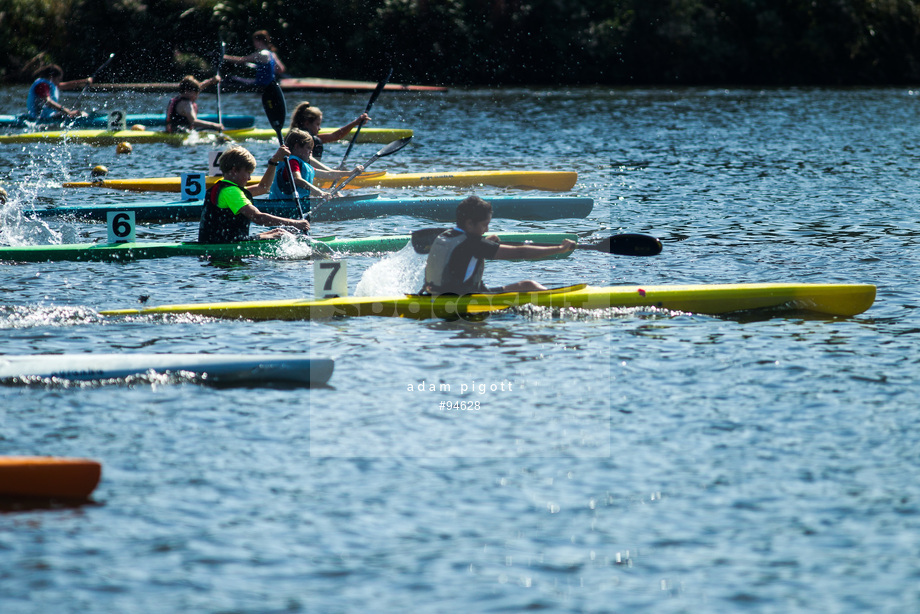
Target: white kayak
{"points": [[220, 369]]}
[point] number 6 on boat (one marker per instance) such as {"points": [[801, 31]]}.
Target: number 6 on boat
{"points": [[120, 226]]}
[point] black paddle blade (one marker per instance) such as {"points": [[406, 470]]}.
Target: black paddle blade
{"points": [[377, 90], [627, 245], [423, 239], [275, 109], [392, 147]]}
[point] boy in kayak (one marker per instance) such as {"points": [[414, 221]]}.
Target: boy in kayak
{"points": [[182, 111], [268, 65], [457, 257], [310, 119], [228, 207], [43, 102], [301, 145]]}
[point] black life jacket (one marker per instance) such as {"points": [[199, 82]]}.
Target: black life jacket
{"points": [[221, 225]]}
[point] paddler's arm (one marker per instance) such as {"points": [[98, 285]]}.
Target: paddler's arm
{"points": [[341, 133], [280, 68], [200, 123], [265, 184], [314, 191], [186, 109], [267, 219], [48, 102], [319, 165], [255, 57], [209, 82], [532, 252], [336, 175], [76, 83]]}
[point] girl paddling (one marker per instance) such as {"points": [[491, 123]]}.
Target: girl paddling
{"points": [[310, 119]]}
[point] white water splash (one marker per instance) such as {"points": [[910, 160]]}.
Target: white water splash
{"points": [[399, 273], [17, 229]]}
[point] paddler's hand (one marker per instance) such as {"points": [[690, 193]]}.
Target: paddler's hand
{"points": [[363, 119], [358, 169], [282, 153], [326, 195], [568, 246]]}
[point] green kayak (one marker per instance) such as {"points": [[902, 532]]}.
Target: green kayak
{"points": [[279, 248]]}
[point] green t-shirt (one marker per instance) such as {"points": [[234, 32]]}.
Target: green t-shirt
{"points": [[232, 199]]}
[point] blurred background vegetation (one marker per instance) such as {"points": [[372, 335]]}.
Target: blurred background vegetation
{"points": [[479, 42]]}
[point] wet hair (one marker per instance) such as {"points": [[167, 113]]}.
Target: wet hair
{"points": [[263, 37], [473, 209], [298, 138], [49, 71], [189, 84], [304, 113], [235, 158]]}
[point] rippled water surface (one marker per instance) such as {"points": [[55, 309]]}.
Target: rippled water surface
{"points": [[635, 458]]}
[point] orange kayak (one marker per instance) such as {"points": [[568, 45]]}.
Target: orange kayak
{"points": [[48, 476]]}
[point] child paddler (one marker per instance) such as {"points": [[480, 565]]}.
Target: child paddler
{"points": [[182, 111], [44, 100], [457, 258], [301, 145], [269, 66], [310, 119], [228, 207]]}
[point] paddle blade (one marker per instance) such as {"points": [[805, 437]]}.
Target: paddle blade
{"points": [[423, 239], [377, 91], [627, 245], [391, 148], [275, 109]]}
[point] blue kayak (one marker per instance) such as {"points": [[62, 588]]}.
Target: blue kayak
{"points": [[441, 209], [100, 120]]}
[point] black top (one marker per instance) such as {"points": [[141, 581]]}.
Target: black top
{"points": [[456, 263], [220, 224]]}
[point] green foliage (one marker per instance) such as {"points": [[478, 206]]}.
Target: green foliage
{"points": [[28, 28], [482, 42]]}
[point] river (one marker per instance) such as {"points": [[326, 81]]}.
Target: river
{"points": [[633, 458]]}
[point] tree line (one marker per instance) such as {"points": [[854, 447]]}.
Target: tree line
{"points": [[479, 42]]}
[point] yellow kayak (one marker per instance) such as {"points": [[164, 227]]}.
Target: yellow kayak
{"points": [[109, 137], [713, 299], [525, 180], [367, 135]]}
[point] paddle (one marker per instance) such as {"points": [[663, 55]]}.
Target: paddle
{"points": [[220, 64], [622, 244], [367, 109], [276, 112], [93, 77], [389, 149]]}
